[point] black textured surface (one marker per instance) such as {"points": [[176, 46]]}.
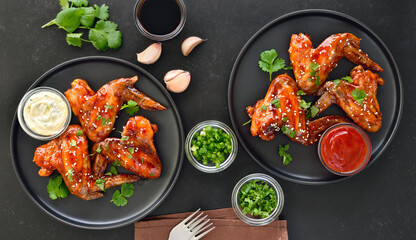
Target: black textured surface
{"points": [[380, 203]]}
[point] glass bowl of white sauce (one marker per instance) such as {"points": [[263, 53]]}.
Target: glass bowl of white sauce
{"points": [[44, 113]]}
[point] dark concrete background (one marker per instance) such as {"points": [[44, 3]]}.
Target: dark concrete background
{"points": [[377, 204]]}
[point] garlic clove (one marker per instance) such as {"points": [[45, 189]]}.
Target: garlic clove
{"points": [[189, 44], [172, 74], [179, 83], [151, 54]]}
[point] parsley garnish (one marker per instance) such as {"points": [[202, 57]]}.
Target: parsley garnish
{"points": [[119, 197], [270, 63], [359, 95], [257, 198], [300, 92], [276, 103], [57, 188], [100, 184], [287, 131], [79, 133], [287, 158], [76, 15], [69, 174], [131, 107], [108, 106]]}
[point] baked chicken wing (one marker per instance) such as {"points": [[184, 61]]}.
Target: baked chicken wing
{"points": [[280, 109], [97, 111], [312, 66], [365, 112], [135, 151], [69, 155]]}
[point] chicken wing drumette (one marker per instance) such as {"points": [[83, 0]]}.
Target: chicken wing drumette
{"points": [[365, 112], [280, 108], [97, 111], [312, 66], [135, 151], [69, 155]]}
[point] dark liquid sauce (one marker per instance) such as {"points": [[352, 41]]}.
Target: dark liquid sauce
{"points": [[159, 17]]}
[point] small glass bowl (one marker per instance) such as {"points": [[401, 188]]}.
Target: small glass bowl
{"points": [[164, 37], [211, 168], [366, 139], [254, 220], [22, 122]]}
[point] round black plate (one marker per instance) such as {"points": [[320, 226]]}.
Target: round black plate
{"points": [[249, 84], [101, 213]]}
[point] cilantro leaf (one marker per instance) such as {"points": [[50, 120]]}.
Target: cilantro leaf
{"points": [[87, 19], [80, 3], [300, 92], [131, 107], [314, 111], [317, 81], [74, 39], [131, 150], [288, 131], [104, 35], [124, 138], [104, 121], [270, 63], [98, 149], [118, 199], [64, 4], [57, 188], [79, 133], [116, 163], [69, 174], [347, 78], [101, 12], [313, 66], [359, 95], [127, 190], [108, 106], [73, 143], [100, 184], [113, 170], [257, 198], [275, 103], [263, 107], [287, 158], [285, 119], [304, 105], [69, 18], [336, 81]]}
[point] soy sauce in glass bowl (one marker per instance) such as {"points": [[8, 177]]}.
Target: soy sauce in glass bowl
{"points": [[160, 20]]}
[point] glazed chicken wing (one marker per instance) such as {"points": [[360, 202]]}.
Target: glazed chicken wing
{"points": [[366, 114], [135, 151], [69, 155], [97, 111], [312, 66], [280, 108]]}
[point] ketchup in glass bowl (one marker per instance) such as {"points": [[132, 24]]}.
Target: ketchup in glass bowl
{"points": [[344, 149]]}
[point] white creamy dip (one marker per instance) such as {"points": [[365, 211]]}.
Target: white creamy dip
{"points": [[45, 113]]}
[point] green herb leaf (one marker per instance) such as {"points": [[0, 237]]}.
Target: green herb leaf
{"points": [[73, 143], [264, 108], [80, 3], [104, 35], [104, 121], [79, 133], [270, 63], [288, 68], [288, 131], [257, 198], [337, 81], [57, 188], [64, 4], [108, 106], [313, 66], [317, 81], [314, 111], [98, 149], [276, 103], [131, 150], [100, 184], [131, 107], [347, 78], [127, 190], [101, 12], [300, 92], [116, 163], [74, 39], [124, 138], [118, 199], [287, 158], [69, 174], [113, 170], [304, 105], [284, 119], [69, 18], [359, 95]]}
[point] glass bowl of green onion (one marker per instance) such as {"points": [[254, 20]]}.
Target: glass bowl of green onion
{"points": [[257, 199], [211, 146]]}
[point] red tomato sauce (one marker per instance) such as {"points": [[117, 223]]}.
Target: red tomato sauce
{"points": [[344, 149]]}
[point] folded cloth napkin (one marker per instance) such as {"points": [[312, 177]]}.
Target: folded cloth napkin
{"points": [[227, 226]]}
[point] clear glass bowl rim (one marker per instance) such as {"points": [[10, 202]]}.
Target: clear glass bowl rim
{"points": [[271, 182], [22, 121], [196, 163], [366, 139]]}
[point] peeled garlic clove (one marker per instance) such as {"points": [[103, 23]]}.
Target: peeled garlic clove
{"points": [[151, 54], [172, 74], [177, 81], [189, 44]]}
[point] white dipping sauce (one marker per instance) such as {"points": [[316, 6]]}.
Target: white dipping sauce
{"points": [[45, 113]]}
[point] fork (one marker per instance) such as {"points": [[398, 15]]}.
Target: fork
{"points": [[188, 230]]}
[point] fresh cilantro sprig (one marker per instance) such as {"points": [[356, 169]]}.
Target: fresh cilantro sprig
{"points": [[75, 14], [270, 63], [257, 198], [346, 78], [287, 158], [100, 184], [359, 95], [119, 197], [314, 73], [57, 188], [288, 131], [131, 107]]}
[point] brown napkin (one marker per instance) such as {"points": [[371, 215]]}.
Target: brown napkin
{"points": [[227, 226]]}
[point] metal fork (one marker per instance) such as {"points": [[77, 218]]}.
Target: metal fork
{"points": [[189, 229]]}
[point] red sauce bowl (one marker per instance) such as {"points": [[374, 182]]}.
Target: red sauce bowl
{"points": [[344, 149]]}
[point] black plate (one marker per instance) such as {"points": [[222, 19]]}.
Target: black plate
{"points": [[101, 213], [249, 84]]}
